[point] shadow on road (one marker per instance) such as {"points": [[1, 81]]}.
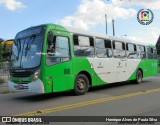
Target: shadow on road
{"points": [[44, 97], [57, 95], [115, 85]]}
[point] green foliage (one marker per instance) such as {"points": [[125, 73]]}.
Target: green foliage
{"points": [[2, 51]]}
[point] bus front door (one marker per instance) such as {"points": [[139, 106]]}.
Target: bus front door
{"points": [[58, 62]]}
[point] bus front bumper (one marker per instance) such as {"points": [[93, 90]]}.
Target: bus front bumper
{"points": [[35, 87]]}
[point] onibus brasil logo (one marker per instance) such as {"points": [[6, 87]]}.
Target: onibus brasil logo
{"points": [[145, 16]]}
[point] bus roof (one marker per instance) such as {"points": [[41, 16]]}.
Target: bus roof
{"points": [[84, 32]]}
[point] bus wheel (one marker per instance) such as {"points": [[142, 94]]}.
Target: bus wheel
{"points": [[81, 85], [138, 76]]}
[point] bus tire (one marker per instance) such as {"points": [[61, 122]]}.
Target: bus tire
{"points": [[138, 77], [81, 85]]}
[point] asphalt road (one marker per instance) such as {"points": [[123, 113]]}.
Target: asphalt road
{"points": [[118, 99]]}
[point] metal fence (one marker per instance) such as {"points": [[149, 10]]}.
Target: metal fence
{"points": [[4, 72]]}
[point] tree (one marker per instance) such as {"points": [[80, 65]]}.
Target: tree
{"points": [[2, 57]]}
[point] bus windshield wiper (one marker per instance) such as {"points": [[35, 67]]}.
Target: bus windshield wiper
{"points": [[29, 44]]}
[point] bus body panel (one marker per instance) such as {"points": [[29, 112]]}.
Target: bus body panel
{"points": [[114, 70], [35, 86], [81, 64]]}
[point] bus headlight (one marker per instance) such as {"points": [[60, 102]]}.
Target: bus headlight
{"points": [[36, 74]]}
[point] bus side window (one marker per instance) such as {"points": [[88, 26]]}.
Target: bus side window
{"points": [[83, 46], [141, 52], [119, 49], [150, 53], [103, 48], [131, 51]]}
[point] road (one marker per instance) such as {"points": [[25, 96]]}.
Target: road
{"points": [[118, 99]]}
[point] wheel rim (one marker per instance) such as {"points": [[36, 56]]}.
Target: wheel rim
{"points": [[81, 84], [139, 76]]}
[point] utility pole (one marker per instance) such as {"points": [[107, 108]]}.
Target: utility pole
{"points": [[106, 23], [113, 27]]}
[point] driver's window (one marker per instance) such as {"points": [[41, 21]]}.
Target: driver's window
{"points": [[57, 50]]}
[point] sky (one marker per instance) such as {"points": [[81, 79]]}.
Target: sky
{"points": [[16, 15]]}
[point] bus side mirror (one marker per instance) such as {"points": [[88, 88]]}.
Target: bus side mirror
{"points": [[50, 38]]}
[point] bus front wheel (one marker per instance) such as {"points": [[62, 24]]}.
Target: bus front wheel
{"points": [[139, 76], [81, 85]]}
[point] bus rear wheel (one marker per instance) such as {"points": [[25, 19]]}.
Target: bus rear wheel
{"points": [[138, 77], [81, 85]]}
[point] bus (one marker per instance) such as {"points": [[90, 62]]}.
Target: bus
{"points": [[52, 58]]}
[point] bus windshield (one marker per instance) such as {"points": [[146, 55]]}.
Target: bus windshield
{"points": [[26, 50]]}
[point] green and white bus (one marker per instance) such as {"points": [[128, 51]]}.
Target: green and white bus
{"points": [[51, 58]]}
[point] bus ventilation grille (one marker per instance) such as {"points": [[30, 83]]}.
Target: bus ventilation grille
{"points": [[20, 74]]}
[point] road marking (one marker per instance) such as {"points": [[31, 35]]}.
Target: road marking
{"points": [[81, 104]]}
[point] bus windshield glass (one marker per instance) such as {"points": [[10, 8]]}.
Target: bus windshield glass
{"points": [[26, 50]]}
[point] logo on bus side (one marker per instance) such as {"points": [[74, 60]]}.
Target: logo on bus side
{"points": [[145, 16], [100, 65]]}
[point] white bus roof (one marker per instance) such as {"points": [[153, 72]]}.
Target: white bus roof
{"points": [[84, 32]]}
